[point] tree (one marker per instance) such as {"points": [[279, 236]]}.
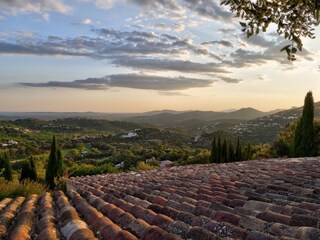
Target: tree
{"points": [[213, 150], [238, 154], [248, 152], [5, 165], [224, 152], [294, 19], [29, 170], [219, 151], [231, 156], [55, 165], [283, 144], [304, 138]]}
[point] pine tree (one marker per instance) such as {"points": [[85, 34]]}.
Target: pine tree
{"points": [[55, 165], [304, 139], [224, 152], [231, 157], [238, 154], [29, 170], [213, 151]]}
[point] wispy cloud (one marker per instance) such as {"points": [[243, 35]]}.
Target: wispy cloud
{"points": [[223, 43], [230, 80], [86, 21], [108, 44], [34, 6], [173, 94], [136, 81], [170, 65]]}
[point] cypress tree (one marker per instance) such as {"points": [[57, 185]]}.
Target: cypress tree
{"points": [[304, 139], [231, 153], [238, 154], [29, 170], [55, 166], [224, 152], [59, 163], [248, 153], [219, 151], [5, 165], [213, 150]]}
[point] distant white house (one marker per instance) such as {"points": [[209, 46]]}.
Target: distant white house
{"points": [[9, 143], [130, 135], [120, 165]]}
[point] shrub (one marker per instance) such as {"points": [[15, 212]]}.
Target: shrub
{"points": [[13, 189], [86, 169], [142, 166], [28, 170]]}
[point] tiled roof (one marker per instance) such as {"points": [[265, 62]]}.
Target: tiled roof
{"points": [[258, 200]]}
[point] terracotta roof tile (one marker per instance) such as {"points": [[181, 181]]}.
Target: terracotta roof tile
{"points": [[266, 199]]}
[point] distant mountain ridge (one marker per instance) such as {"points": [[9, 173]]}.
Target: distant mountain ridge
{"points": [[265, 129], [155, 117], [170, 119]]}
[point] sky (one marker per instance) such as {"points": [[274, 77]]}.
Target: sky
{"points": [[143, 55]]}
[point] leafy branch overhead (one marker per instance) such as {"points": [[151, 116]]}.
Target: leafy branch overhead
{"points": [[295, 19]]}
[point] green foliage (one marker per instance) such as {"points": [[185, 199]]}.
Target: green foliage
{"points": [[142, 166], [5, 165], [283, 145], [201, 156], [225, 153], [13, 189], [262, 151], [219, 151], [304, 137], [295, 19], [87, 169], [213, 151], [238, 153], [231, 155], [28, 170], [247, 153], [54, 168]]}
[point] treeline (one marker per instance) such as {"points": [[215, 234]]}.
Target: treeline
{"points": [[223, 152]]}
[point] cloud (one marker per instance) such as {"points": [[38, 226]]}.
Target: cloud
{"points": [[223, 43], [162, 26], [34, 6], [227, 31], [46, 17], [109, 44], [170, 65], [258, 40], [173, 94], [156, 4], [230, 80], [86, 21], [248, 58], [135, 81], [178, 27], [209, 9], [105, 4]]}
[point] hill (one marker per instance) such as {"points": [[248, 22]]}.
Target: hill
{"points": [[265, 129], [75, 125], [175, 119]]}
